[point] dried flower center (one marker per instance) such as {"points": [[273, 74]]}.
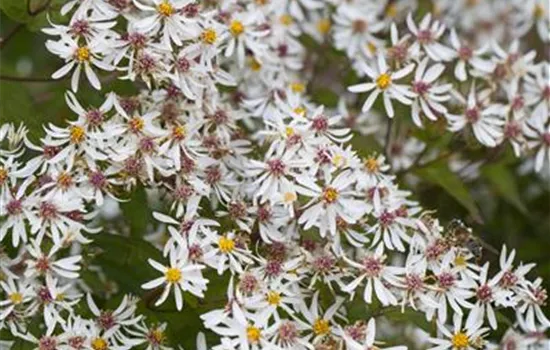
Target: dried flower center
{"points": [[156, 336], [484, 293], [165, 9], [460, 340], [82, 54], [371, 164], [421, 87], [106, 320], [47, 343], [359, 26], [446, 280], [321, 327], [465, 53], [383, 81], [276, 167], [286, 20], [472, 115], [414, 282], [226, 244], [288, 332], [424, 36], [179, 132], [372, 266], [209, 36], [330, 195]]}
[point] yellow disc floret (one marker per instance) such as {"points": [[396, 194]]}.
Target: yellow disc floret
{"points": [[76, 133], [165, 9], [383, 81], [172, 275], [82, 54], [321, 327], [226, 244], [16, 298], [253, 334], [236, 28], [209, 36], [330, 195], [460, 340]]}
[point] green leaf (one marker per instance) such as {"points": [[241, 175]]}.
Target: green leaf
{"points": [[502, 180], [136, 211], [439, 174], [124, 260]]}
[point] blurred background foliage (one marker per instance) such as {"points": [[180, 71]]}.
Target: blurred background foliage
{"points": [[504, 204]]}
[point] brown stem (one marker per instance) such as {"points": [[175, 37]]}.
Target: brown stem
{"points": [[10, 35]]}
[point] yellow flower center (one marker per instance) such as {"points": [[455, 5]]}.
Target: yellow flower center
{"points": [[289, 197], [226, 244], [371, 47], [99, 344], [136, 124], [172, 275], [371, 164], [60, 297], [286, 19], [391, 10], [273, 298], [321, 327], [3, 175], [323, 26], [179, 132], [65, 180], [255, 65], [301, 111], [339, 160], [289, 131], [165, 9], [76, 134], [383, 81], [297, 87], [330, 195], [253, 334], [82, 54], [209, 36], [460, 260], [236, 28], [16, 298], [460, 340], [157, 336], [538, 11]]}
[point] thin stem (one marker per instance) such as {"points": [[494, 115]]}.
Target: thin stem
{"points": [[10, 35], [387, 140], [28, 79], [36, 11]]}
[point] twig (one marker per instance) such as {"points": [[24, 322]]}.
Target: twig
{"points": [[10, 35], [35, 12]]}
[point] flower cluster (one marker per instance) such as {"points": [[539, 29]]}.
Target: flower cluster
{"points": [[260, 185]]}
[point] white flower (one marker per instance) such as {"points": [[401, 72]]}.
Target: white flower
{"points": [[332, 201], [469, 58], [429, 98], [181, 275], [427, 35], [368, 341], [469, 337], [383, 81], [84, 56]]}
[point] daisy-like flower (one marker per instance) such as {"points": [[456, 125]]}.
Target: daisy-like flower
{"points": [[538, 138], [486, 122], [354, 26], [47, 264], [123, 315], [489, 293], [379, 276], [427, 36], [319, 324], [181, 275], [332, 201], [469, 59], [81, 57], [245, 36], [383, 82], [166, 16], [228, 253], [429, 98], [467, 337], [368, 340], [17, 293]]}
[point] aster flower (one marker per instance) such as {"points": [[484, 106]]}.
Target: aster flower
{"points": [[383, 82]]}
